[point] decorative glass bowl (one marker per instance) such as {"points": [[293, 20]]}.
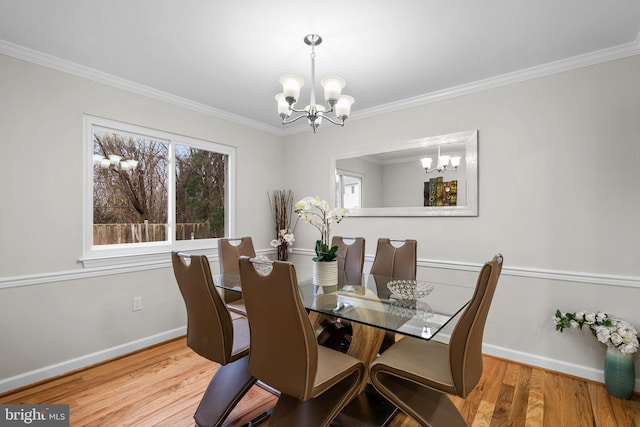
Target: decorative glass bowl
{"points": [[409, 289], [409, 309]]}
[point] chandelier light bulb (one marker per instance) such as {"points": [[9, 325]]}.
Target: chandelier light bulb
{"points": [[426, 162], [283, 106], [291, 85], [343, 107], [333, 86], [133, 164]]}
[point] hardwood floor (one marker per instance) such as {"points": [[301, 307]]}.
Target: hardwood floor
{"points": [[162, 386]]}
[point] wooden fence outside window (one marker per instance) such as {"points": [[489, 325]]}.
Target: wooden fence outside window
{"points": [[111, 234]]}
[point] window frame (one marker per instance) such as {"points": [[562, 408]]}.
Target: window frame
{"points": [[149, 253], [340, 174]]}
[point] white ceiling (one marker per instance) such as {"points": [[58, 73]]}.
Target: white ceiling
{"points": [[227, 56]]}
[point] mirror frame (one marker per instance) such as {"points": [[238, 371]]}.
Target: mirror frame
{"points": [[470, 138]]}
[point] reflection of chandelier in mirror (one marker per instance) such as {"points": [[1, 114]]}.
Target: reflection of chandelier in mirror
{"points": [[443, 163], [115, 161], [333, 85]]}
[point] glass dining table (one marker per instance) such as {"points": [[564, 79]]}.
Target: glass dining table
{"points": [[375, 304], [409, 307]]}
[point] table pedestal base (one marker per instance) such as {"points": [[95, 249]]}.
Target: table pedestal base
{"points": [[368, 409]]}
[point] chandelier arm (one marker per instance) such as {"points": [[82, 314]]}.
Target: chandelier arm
{"points": [[285, 122], [341, 123], [441, 169]]}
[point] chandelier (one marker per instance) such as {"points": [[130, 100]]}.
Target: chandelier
{"points": [[115, 161], [339, 104], [445, 163]]}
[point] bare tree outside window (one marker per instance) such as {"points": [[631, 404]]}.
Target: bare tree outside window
{"points": [[130, 190]]}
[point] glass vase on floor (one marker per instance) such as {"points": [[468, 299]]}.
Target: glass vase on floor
{"points": [[619, 373], [283, 252]]}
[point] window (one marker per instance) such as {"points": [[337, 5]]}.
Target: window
{"points": [[349, 187], [150, 191]]}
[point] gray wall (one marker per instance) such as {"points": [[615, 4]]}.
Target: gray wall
{"points": [[54, 314], [565, 222]]}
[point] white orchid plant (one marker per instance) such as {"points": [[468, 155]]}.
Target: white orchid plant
{"points": [[609, 330], [316, 212]]}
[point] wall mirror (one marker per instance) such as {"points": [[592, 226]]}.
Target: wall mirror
{"points": [[392, 180]]}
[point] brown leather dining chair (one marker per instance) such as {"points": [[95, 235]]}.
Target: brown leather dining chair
{"points": [[350, 255], [314, 382], [229, 253], [214, 335], [397, 261], [416, 374]]}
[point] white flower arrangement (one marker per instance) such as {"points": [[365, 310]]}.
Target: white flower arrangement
{"points": [[281, 202], [316, 212], [285, 237], [609, 330]]}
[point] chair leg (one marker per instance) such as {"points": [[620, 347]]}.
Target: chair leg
{"points": [[228, 385], [440, 411], [317, 412], [430, 407]]}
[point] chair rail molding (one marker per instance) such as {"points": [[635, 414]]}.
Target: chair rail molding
{"points": [[529, 272], [154, 262]]}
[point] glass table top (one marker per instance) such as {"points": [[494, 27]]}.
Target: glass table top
{"points": [[415, 308]]}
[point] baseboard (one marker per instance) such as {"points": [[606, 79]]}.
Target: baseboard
{"points": [[580, 371], [51, 371]]}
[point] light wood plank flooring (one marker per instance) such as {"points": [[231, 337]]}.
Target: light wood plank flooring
{"points": [[162, 386]]}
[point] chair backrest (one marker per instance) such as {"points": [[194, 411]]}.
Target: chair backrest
{"points": [[398, 262], [283, 349], [229, 253], [350, 255], [465, 344], [209, 327]]}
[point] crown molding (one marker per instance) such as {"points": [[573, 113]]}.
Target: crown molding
{"points": [[560, 66], [88, 73], [579, 61]]}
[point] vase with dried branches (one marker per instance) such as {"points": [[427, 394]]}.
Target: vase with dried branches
{"points": [[281, 202]]}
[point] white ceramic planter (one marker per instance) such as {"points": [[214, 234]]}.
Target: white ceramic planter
{"points": [[325, 273]]}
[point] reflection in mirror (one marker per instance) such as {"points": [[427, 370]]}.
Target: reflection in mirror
{"points": [[400, 181], [349, 187]]}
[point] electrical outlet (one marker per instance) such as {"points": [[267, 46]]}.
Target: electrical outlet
{"points": [[137, 303]]}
